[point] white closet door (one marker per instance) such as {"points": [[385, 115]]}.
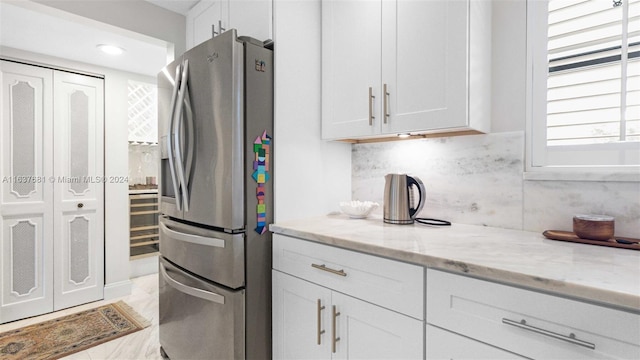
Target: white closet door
{"points": [[79, 194], [26, 211]]}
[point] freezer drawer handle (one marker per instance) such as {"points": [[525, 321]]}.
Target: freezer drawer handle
{"points": [[194, 239], [333, 271], [522, 324], [202, 294]]}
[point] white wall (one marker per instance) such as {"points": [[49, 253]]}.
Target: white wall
{"points": [[311, 176], [135, 15], [508, 57], [116, 150]]}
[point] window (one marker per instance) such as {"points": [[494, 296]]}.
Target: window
{"points": [[585, 84]]}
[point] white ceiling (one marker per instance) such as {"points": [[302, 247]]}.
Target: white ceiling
{"points": [[178, 6], [37, 28]]}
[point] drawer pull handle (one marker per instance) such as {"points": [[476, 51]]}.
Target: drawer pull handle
{"points": [[334, 338], [522, 324], [320, 331], [333, 271]]}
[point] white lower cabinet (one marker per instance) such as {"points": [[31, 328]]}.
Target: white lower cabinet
{"points": [[300, 318], [313, 322], [331, 303], [525, 322]]}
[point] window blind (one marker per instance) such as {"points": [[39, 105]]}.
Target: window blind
{"points": [[593, 84]]}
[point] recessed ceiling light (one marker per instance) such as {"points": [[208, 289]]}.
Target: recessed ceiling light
{"points": [[110, 49]]}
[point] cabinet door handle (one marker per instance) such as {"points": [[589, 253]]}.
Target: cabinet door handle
{"points": [[385, 103], [333, 271], [220, 29], [319, 313], [522, 324], [334, 338], [371, 97]]}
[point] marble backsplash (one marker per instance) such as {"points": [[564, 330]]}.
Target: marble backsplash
{"points": [[479, 180], [143, 161]]}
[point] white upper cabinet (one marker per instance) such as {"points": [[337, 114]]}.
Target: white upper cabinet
{"points": [[250, 17], [402, 66], [351, 64], [202, 17]]}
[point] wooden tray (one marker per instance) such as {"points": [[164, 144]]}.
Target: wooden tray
{"points": [[572, 237]]}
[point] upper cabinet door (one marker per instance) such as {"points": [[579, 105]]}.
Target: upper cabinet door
{"points": [[202, 17], [252, 18], [427, 64], [424, 65], [351, 65]]}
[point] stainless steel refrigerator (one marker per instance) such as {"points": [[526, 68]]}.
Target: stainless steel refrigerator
{"points": [[215, 114]]}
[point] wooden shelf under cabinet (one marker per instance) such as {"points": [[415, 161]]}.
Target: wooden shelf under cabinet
{"points": [[143, 231]]}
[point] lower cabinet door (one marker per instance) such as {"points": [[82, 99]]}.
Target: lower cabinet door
{"points": [[442, 344], [301, 328], [367, 331], [313, 322]]}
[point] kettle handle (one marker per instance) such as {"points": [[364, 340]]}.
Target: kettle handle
{"points": [[413, 212]]}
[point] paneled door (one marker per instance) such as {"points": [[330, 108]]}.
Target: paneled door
{"points": [[52, 190], [423, 64], [351, 66], [79, 191], [26, 199], [301, 321]]}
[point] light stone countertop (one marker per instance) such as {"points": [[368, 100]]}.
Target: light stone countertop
{"points": [[599, 274]]}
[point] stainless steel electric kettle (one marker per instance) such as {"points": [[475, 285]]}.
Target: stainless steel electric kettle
{"points": [[399, 202]]}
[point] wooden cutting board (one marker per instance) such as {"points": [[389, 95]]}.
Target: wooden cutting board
{"points": [[572, 237]]}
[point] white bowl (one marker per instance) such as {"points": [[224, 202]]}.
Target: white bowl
{"points": [[358, 209]]}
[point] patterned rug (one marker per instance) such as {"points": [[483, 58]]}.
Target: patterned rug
{"points": [[66, 335]]}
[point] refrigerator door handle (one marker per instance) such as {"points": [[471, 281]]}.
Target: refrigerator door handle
{"points": [[178, 126], [190, 144], [202, 294], [194, 239], [170, 145]]}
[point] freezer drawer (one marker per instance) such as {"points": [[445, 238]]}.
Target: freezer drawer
{"points": [[213, 255], [199, 320]]}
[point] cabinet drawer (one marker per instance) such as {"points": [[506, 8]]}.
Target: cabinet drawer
{"points": [[530, 323], [391, 284], [443, 344]]}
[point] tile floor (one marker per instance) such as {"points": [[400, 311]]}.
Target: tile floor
{"points": [[143, 344]]}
